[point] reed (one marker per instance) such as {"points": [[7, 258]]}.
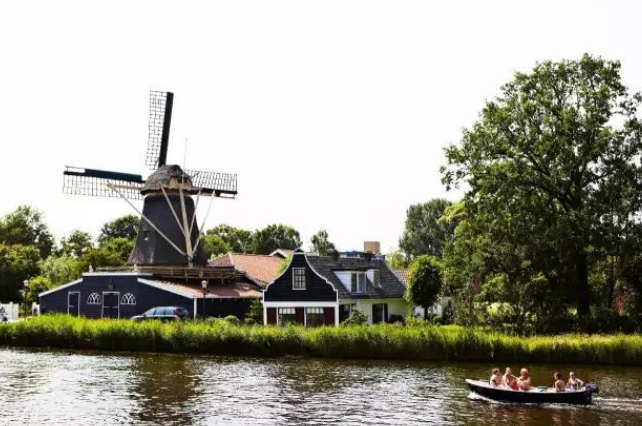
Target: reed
{"points": [[425, 342]]}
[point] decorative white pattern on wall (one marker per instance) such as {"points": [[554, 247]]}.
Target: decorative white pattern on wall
{"points": [[94, 299], [128, 299]]}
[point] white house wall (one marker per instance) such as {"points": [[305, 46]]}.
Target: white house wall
{"points": [[395, 306]]}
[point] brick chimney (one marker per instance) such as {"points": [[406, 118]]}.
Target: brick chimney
{"points": [[372, 246]]}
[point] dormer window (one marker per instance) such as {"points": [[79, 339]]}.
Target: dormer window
{"points": [[358, 282], [298, 278]]}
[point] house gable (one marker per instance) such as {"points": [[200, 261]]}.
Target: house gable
{"points": [[317, 288]]}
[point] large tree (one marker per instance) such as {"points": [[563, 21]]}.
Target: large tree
{"points": [[121, 227], [273, 237], [321, 243], [554, 163], [214, 245], [26, 226], [239, 240], [424, 233], [17, 264], [76, 244]]}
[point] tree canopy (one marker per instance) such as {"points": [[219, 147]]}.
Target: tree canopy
{"points": [[424, 233], [121, 227], [26, 226], [552, 176], [238, 240], [321, 244], [424, 282], [275, 236]]}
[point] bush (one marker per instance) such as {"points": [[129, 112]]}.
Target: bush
{"points": [[357, 317], [232, 320]]}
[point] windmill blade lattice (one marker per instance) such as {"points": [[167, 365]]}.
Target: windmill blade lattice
{"points": [[160, 120], [92, 182], [214, 183]]}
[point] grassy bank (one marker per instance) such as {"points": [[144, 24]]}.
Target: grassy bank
{"points": [[448, 343]]}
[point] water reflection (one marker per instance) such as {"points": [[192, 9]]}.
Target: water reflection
{"points": [[99, 389], [165, 389]]}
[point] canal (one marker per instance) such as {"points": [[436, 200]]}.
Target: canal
{"points": [[85, 388]]}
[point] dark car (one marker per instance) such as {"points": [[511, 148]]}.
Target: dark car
{"points": [[164, 313]]}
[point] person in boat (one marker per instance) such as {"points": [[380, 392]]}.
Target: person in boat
{"points": [[509, 380], [524, 380], [496, 378], [560, 386], [573, 382]]}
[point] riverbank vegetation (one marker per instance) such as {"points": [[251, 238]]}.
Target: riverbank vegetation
{"points": [[412, 342]]}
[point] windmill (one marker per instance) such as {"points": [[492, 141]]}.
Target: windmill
{"points": [[168, 234]]}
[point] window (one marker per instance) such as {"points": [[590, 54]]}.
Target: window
{"points": [[314, 317], [379, 313], [286, 316], [128, 299], [376, 277], [94, 299], [298, 278], [358, 282]]}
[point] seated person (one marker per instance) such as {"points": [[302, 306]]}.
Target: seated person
{"points": [[509, 380], [559, 383], [524, 381], [496, 378], [573, 382]]}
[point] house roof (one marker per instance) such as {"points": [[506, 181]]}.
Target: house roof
{"points": [[235, 290], [259, 268], [402, 274], [391, 286]]}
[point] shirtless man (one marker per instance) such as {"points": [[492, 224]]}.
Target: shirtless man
{"points": [[509, 380], [496, 378], [573, 382], [560, 386], [524, 381]]}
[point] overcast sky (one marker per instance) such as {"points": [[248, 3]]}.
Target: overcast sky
{"points": [[334, 114]]}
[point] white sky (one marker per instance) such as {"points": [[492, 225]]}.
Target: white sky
{"points": [[333, 113]]}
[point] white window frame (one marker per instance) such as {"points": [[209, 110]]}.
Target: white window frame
{"points": [[128, 299], [365, 282], [376, 277], [294, 278], [94, 299]]}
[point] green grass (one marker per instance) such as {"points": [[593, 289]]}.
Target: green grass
{"points": [[445, 343]]}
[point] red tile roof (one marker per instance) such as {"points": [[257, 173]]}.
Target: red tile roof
{"points": [[260, 268], [237, 290], [402, 274]]}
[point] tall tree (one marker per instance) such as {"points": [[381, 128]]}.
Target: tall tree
{"points": [[36, 286], [556, 154], [17, 264], [321, 244], [424, 282], [61, 269], [26, 226], [121, 227], [239, 240], [76, 244], [275, 236], [424, 233], [396, 260], [213, 245]]}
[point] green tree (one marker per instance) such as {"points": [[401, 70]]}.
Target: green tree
{"points": [[214, 245], [17, 264], [76, 244], [121, 227], [26, 226], [424, 282], [396, 260], [556, 156], [272, 237], [283, 265], [424, 233], [36, 286], [321, 244], [119, 247], [239, 240], [61, 269]]}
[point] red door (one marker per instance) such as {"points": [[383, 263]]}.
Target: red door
{"points": [[329, 316], [271, 316]]}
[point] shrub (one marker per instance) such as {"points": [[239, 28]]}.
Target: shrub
{"points": [[232, 320], [357, 317]]}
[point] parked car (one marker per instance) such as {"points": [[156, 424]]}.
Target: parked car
{"points": [[164, 313]]}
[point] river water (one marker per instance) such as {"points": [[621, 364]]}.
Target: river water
{"points": [[85, 388]]}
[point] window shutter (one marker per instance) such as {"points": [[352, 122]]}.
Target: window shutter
{"points": [[300, 316], [353, 282], [271, 316], [308, 277]]}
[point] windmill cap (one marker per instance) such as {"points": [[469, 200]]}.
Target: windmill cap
{"points": [[170, 177]]}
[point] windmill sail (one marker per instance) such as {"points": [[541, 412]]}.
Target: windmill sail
{"points": [[212, 183], [92, 182], [160, 120]]}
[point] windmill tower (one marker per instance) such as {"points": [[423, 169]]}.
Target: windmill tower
{"points": [[168, 234]]}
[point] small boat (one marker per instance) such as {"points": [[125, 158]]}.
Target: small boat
{"points": [[540, 395]]}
